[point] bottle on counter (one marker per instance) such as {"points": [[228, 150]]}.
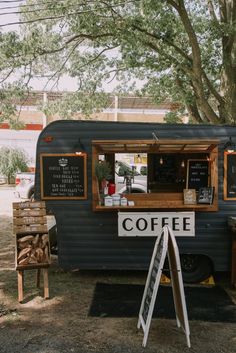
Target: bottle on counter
{"points": [[108, 201], [116, 199], [111, 188], [123, 201]]}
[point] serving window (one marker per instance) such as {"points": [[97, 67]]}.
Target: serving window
{"points": [[161, 173]]}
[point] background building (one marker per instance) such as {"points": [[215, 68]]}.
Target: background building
{"points": [[132, 109]]}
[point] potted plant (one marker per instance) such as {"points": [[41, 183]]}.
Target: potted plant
{"points": [[103, 173]]}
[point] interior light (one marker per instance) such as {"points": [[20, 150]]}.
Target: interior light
{"points": [[139, 159], [79, 147], [161, 161], [182, 164]]}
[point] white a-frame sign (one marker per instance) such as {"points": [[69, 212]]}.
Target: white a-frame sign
{"points": [[165, 243]]}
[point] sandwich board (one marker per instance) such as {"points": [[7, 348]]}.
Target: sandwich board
{"points": [[165, 245]]}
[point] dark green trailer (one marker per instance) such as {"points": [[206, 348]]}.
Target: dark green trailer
{"points": [[88, 237]]}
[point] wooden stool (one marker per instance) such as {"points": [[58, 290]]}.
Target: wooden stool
{"points": [[20, 279], [32, 248]]}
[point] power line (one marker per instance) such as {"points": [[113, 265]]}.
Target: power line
{"points": [[35, 20], [30, 5], [30, 11], [11, 1], [39, 4], [61, 16]]}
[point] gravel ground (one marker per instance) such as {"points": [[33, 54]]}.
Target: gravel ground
{"points": [[61, 324]]}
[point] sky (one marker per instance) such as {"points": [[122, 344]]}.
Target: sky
{"points": [[8, 6], [66, 83]]}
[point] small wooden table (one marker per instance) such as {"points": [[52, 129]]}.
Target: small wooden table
{"points": [[232, 225]]}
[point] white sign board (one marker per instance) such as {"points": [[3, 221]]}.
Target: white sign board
{"points": [[165, 244], [177, 286], [149, 224], [152, 283]]}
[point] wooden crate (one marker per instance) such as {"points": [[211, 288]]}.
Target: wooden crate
{"points": [[32, 248]]}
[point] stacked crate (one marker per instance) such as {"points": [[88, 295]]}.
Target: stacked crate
{"points": [[32, 249]]}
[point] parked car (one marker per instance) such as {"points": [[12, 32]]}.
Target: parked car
{"points": [[24, 185], [135, 188], [139, 178]]}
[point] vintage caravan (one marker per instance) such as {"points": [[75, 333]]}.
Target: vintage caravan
{"points": [[189, 170]]}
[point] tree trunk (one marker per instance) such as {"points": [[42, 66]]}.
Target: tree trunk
{"points": [[197, 72], [228, 76]]}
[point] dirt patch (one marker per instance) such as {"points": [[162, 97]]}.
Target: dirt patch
{"points": [[61, 324]]}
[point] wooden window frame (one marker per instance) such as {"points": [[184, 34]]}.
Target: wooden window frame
{"points": [[155, 201]]}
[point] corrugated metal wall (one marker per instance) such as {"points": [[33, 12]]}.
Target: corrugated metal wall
{"points": [[88, 240]]}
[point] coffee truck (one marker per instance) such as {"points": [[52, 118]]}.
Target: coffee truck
{"points": [[191, 186]]}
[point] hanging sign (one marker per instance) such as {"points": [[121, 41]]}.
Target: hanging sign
{"points": [[151, 223]]}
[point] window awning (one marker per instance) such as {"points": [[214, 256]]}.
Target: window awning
{"points": [[155, 146]]}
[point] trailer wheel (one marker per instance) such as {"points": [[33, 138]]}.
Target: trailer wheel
{"points": [[195, 268]]}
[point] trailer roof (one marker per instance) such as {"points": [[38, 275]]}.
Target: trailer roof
{"points": [[156, 146]]}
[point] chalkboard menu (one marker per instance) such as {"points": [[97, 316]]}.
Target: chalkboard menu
{"points": [[230, 176], [152, 279], [197, 174], [63, 176]]}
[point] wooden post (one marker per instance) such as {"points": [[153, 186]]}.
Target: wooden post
{"points": [[20, 277], [45, 283], [38, 278]]}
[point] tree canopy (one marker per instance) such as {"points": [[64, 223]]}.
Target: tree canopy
{"points": [[182, 50]]}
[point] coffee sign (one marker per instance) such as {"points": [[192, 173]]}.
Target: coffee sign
{"points": [[151, 223]]}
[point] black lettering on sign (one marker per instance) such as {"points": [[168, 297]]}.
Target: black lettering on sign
{"points": [[63, 176], [125, 224], [197, 174], [175, 223], [186, 224], [164, 221], [141, 224], [154, 222]]}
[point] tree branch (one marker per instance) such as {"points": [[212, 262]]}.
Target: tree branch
{"points": [[57, 72], [212, 12], [177, 49], [212, 89], [8, 75], [198, 72], [169, 57], [41, 52]]}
